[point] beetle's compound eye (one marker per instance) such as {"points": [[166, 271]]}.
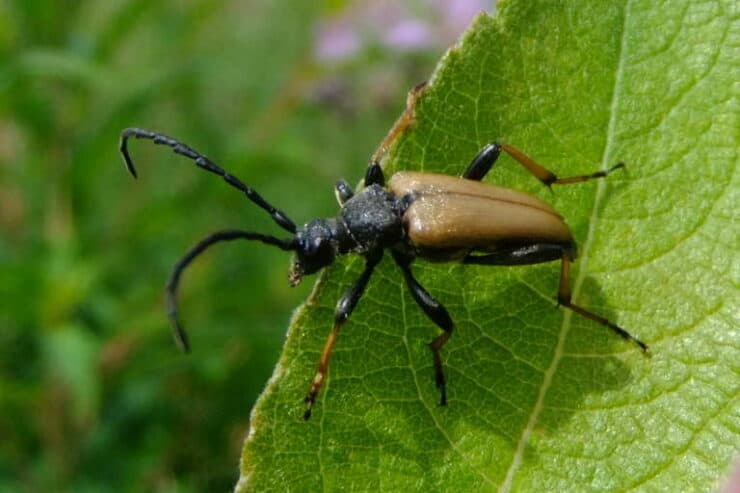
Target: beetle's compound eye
{"points": [[313, 246], [318, 253]]}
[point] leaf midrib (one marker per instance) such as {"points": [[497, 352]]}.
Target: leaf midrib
{"points": [[580, 278]]}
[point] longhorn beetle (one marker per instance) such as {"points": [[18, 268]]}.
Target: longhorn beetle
{"points": [[435, 217]]}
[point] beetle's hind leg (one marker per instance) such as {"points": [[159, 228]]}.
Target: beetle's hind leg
{"points": [[437, 313], [486, 158], [564, 296], [546, 252]]}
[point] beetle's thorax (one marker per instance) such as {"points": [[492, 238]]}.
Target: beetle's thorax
{"points": [[369, 221], [372, 220]]}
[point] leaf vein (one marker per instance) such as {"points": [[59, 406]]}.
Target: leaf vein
{"points": [[565, 328]]}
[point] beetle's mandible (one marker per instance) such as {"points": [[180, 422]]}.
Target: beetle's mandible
{"points": [[435, 217]]}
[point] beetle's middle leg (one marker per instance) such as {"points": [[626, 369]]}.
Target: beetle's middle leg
{"points": [[486, 158], [344, 309], [374, 173], [436, 312]]}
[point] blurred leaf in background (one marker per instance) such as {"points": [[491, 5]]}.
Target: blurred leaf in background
{"points": [[287, 95]]}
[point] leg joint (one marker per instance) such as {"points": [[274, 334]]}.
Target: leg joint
{"points": [[564, 299]]}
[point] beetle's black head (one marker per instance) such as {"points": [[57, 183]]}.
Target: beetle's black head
{"points": [[316, 247]]}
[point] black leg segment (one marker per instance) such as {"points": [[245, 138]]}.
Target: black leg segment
{"points": [[203, 162], [374, 175], [344, 309], [526, 255], [437, 313], [483, 162]]}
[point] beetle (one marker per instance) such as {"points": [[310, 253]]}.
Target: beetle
{"points": [[435, 217]]}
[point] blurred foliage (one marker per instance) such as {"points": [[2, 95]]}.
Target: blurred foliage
{"points": [[94, 395]]}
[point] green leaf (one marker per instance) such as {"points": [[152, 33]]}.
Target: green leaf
{"points": [[540, 399]]}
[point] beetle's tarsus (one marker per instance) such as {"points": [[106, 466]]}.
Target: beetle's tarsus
{"points": [[597, 174], [439, 376], [645, 348], [617, 166], [309, 400], [619, 330]]}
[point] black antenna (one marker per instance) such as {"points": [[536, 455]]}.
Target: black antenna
{"points": [[203, 162], [181, 337]]}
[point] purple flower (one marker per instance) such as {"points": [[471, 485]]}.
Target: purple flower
{"points": [[434, 25]]}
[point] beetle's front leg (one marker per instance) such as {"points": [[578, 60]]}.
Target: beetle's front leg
{"points": [[344, 309], [437, 313]]}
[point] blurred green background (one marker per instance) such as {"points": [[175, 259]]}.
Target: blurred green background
{"points": [[287, 95]]}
